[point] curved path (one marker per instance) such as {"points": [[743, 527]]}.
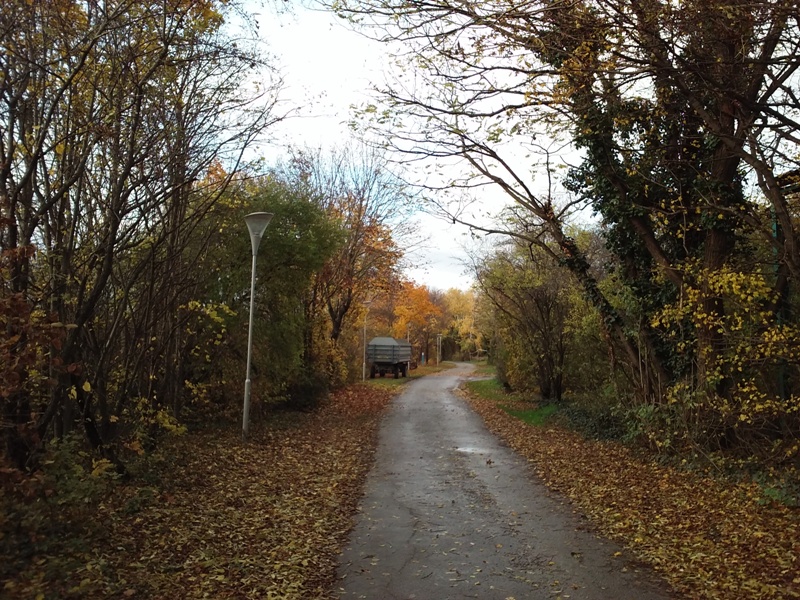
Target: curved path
{"points": [[450, 513]]}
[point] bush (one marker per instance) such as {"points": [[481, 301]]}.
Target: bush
{"points": [[49, 511], [597, 423], [307, 390], [596, 417]]}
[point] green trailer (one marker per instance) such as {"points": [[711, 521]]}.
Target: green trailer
{"points": [[388, 355]]}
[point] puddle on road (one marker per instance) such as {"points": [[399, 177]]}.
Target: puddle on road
{"points": [[471, 450]]}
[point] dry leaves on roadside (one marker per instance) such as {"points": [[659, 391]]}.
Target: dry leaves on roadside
{"points": [[259, 520], [710, 539]]}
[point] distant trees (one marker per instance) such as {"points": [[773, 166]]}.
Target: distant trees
{"points": [[419, 314], [370, 207], [461, 338], [409, 310]]}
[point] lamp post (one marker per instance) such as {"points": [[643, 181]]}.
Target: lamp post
{"points": [[410, 345], [256, 225], [364, 358]]}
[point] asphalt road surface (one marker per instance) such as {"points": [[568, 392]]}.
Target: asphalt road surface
{"points": [[449, 512]]}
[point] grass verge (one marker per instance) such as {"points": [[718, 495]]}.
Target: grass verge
{"points": [[527, 412], [533, 416]]}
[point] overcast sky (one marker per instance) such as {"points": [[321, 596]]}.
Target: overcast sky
{"points": [[327, 68]]}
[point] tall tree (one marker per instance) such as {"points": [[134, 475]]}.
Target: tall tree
{"points": [[533, 303], [356, 187], [112, 114], [676, 112], [459, 317], [298, 242], [417, 311]]}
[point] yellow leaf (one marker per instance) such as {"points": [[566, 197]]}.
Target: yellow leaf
{"points": [[87, 387], [101, 466]]}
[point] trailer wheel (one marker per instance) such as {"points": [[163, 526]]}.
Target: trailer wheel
{"points": [[372, 372]]}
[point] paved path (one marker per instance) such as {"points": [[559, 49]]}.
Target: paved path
{"points": [[450, 513]]}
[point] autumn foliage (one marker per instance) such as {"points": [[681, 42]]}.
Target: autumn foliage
{"points": [[665, 130], [110, 177]]}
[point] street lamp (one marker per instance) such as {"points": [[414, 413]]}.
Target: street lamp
{"points": [[256, 225], [364, 361]]}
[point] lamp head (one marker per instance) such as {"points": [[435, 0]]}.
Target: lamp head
{"points": [[257, 224]]}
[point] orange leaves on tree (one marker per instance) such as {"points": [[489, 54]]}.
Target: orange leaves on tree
{"points": [[416, 307]]}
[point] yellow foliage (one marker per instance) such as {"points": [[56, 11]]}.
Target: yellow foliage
{"points": [[754, 338], [101, 466]]}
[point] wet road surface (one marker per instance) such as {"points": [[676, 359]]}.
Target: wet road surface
{"points": [[451, 513]]}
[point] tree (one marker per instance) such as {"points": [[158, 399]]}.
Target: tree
{"points": [[533, 304], [461, 339], [300, 239], [417, 311], [371, 204], [683, 117], [113, 114]]}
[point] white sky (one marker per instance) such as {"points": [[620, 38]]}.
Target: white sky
{"points": [[327, 68]]}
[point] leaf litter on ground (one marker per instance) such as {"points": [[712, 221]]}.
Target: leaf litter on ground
{"points": [[709, 538], [258, 520], [267, 519]]}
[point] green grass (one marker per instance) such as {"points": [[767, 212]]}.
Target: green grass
{"points": [[492, 389], [535, 416], [483, 368]]}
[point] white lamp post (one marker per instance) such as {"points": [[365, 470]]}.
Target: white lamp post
{"points": [[256, 225], [364, 361]]}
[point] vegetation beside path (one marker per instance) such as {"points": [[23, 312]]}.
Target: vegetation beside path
{"points": [[709, 538]]}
